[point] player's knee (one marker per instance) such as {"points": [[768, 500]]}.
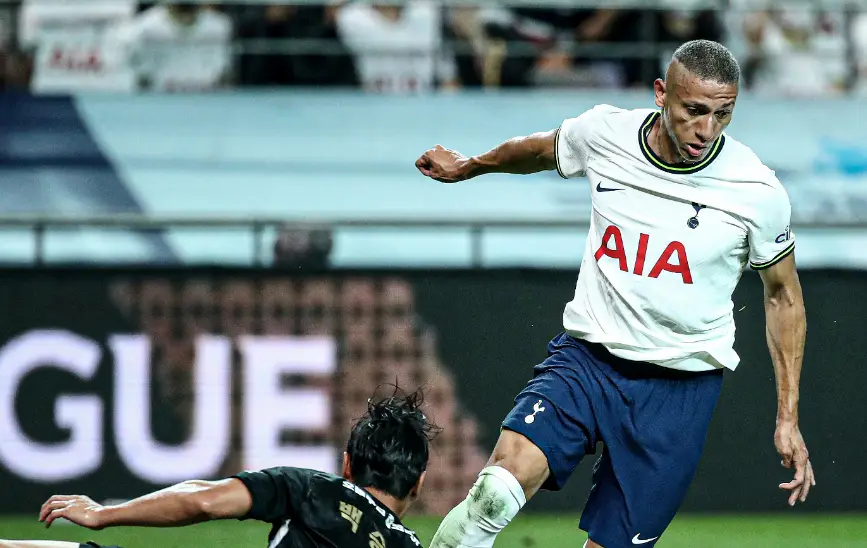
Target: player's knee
{"points": [[523, 459], [496, 497]]}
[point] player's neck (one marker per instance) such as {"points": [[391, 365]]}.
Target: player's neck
{"points": [[397, 506], [660, 142]]}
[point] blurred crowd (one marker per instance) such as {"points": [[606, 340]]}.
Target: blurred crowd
{"points": [[123, 45]]}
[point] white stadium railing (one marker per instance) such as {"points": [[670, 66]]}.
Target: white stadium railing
{"points": [[40, 225]]}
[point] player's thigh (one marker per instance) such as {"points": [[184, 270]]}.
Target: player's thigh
{"points": [[634, 498], [649, 460], [671, 434], [522, 458], [551, 426]]}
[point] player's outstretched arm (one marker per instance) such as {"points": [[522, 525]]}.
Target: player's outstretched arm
{"points": [[185, 503], [519, 155], [786, 329]]}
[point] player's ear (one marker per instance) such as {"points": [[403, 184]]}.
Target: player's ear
{"points": [[659, 92], [347, 467], [417, 487]]}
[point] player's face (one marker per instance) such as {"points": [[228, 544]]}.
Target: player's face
{"points": [[695, 112]]}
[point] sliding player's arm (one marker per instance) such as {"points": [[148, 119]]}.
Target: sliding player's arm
{"points": [[185, 503], [519, 155], [786, 329]]}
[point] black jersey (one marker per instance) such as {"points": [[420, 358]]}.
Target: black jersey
{"points": [[308, 508]]}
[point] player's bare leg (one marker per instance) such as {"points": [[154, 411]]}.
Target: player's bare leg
{"points": [[513, 474], [520, 456]]}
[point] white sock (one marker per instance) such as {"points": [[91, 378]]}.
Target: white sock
{"points": [[493, 501]]}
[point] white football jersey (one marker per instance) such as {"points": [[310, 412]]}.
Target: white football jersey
{"points": [[667, 243], [73, 47]]}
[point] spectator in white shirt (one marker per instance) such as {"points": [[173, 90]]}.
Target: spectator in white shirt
{"points": [[398, 49], [180, 47], [70, 45], [859, 42], [798, 51]]}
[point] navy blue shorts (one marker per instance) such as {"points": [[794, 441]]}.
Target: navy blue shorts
{"points": [[652, 422]]}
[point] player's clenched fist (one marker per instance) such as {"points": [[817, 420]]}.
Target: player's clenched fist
{"points": [[444, 165], [78, 509]]}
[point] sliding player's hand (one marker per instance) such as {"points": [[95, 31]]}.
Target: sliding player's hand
{"points": [[443, 164], [78, 509], [790, 445]]}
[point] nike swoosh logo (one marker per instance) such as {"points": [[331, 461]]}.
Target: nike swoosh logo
{"points": [[635, 539], [600, 188]]}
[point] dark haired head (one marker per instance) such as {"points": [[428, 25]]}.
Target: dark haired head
{"points": [[697, 99], [709, 61], [388, 447]]}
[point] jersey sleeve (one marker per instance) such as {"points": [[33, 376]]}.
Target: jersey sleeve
{"points": [[573, 146], [277, 493], [770, 235]]}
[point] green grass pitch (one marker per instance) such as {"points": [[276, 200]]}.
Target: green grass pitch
{"points": [[527, 531]]}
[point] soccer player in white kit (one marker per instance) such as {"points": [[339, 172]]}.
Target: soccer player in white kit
{"points": [[679, 210]]}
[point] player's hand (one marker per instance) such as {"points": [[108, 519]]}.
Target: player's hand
{"points": [[78, 509], [444, 165], [790, 445]]}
